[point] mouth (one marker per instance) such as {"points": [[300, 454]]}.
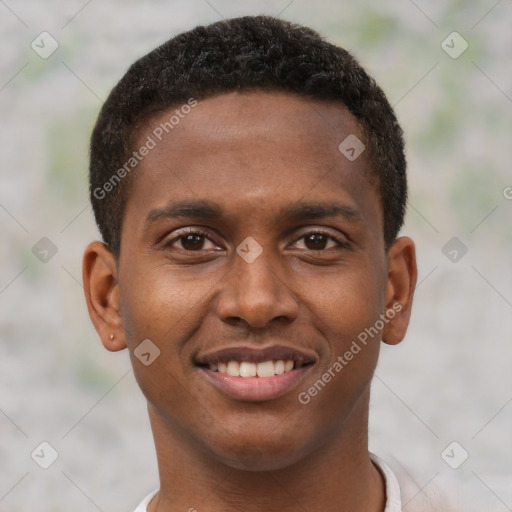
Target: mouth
{"points": [[251, 362], [256, 374]]}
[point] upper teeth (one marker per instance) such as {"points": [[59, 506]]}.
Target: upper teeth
{"points": [[245, 369]]}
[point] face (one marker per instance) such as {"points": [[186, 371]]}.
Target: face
{"points": [[252, 257]]}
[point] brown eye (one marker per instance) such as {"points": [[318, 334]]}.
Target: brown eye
{"points": [[315, 241], [193, 241], [318, 241]]}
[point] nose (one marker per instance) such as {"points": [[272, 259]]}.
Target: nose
{"points": [[256, 293]]}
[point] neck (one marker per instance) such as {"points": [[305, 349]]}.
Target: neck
{"points": [[337, 476]]}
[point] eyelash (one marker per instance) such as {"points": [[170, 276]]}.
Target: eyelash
{"points": [[341, 243]]}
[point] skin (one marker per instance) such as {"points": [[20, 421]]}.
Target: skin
{"points": [[254, 154]]}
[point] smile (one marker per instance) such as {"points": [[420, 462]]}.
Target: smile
{"points": [[256, 374], [248, 370]]}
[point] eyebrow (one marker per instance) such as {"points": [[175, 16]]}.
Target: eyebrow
{"points": [[196, 209], [320, 210], [202, 210]]}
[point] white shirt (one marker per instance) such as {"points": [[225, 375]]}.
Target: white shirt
{"points": [[143, 505], [393, 499]]}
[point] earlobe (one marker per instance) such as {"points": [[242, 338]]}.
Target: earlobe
{"points": [[402, 277], [99, 275]]}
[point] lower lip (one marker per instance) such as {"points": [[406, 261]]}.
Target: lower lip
{"points": [[256, 389]]}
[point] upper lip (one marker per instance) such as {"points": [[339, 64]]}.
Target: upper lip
{"points": [[257, 354]]}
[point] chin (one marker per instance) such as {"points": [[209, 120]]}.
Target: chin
{"points": [[265, 455], [255, 462]]}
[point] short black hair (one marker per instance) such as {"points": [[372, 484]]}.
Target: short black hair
{"points": [[241, 54]]}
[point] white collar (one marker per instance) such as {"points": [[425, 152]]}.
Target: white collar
{"points": [[393, 495], [143, 505]]}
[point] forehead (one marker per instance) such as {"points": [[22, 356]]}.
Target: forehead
{"points": [[253, 118], [262, 148]]}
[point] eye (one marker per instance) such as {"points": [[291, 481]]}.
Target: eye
{"points": [[191, 240], [318, 241], [194, 240]]}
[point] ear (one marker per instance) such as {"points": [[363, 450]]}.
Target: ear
{"points": [[402, 276], [99, 273]]}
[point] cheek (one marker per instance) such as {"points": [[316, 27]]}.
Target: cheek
{"points": [[347, 313], [165, 308], [160, 305], [346, 303], [150, 309]]}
